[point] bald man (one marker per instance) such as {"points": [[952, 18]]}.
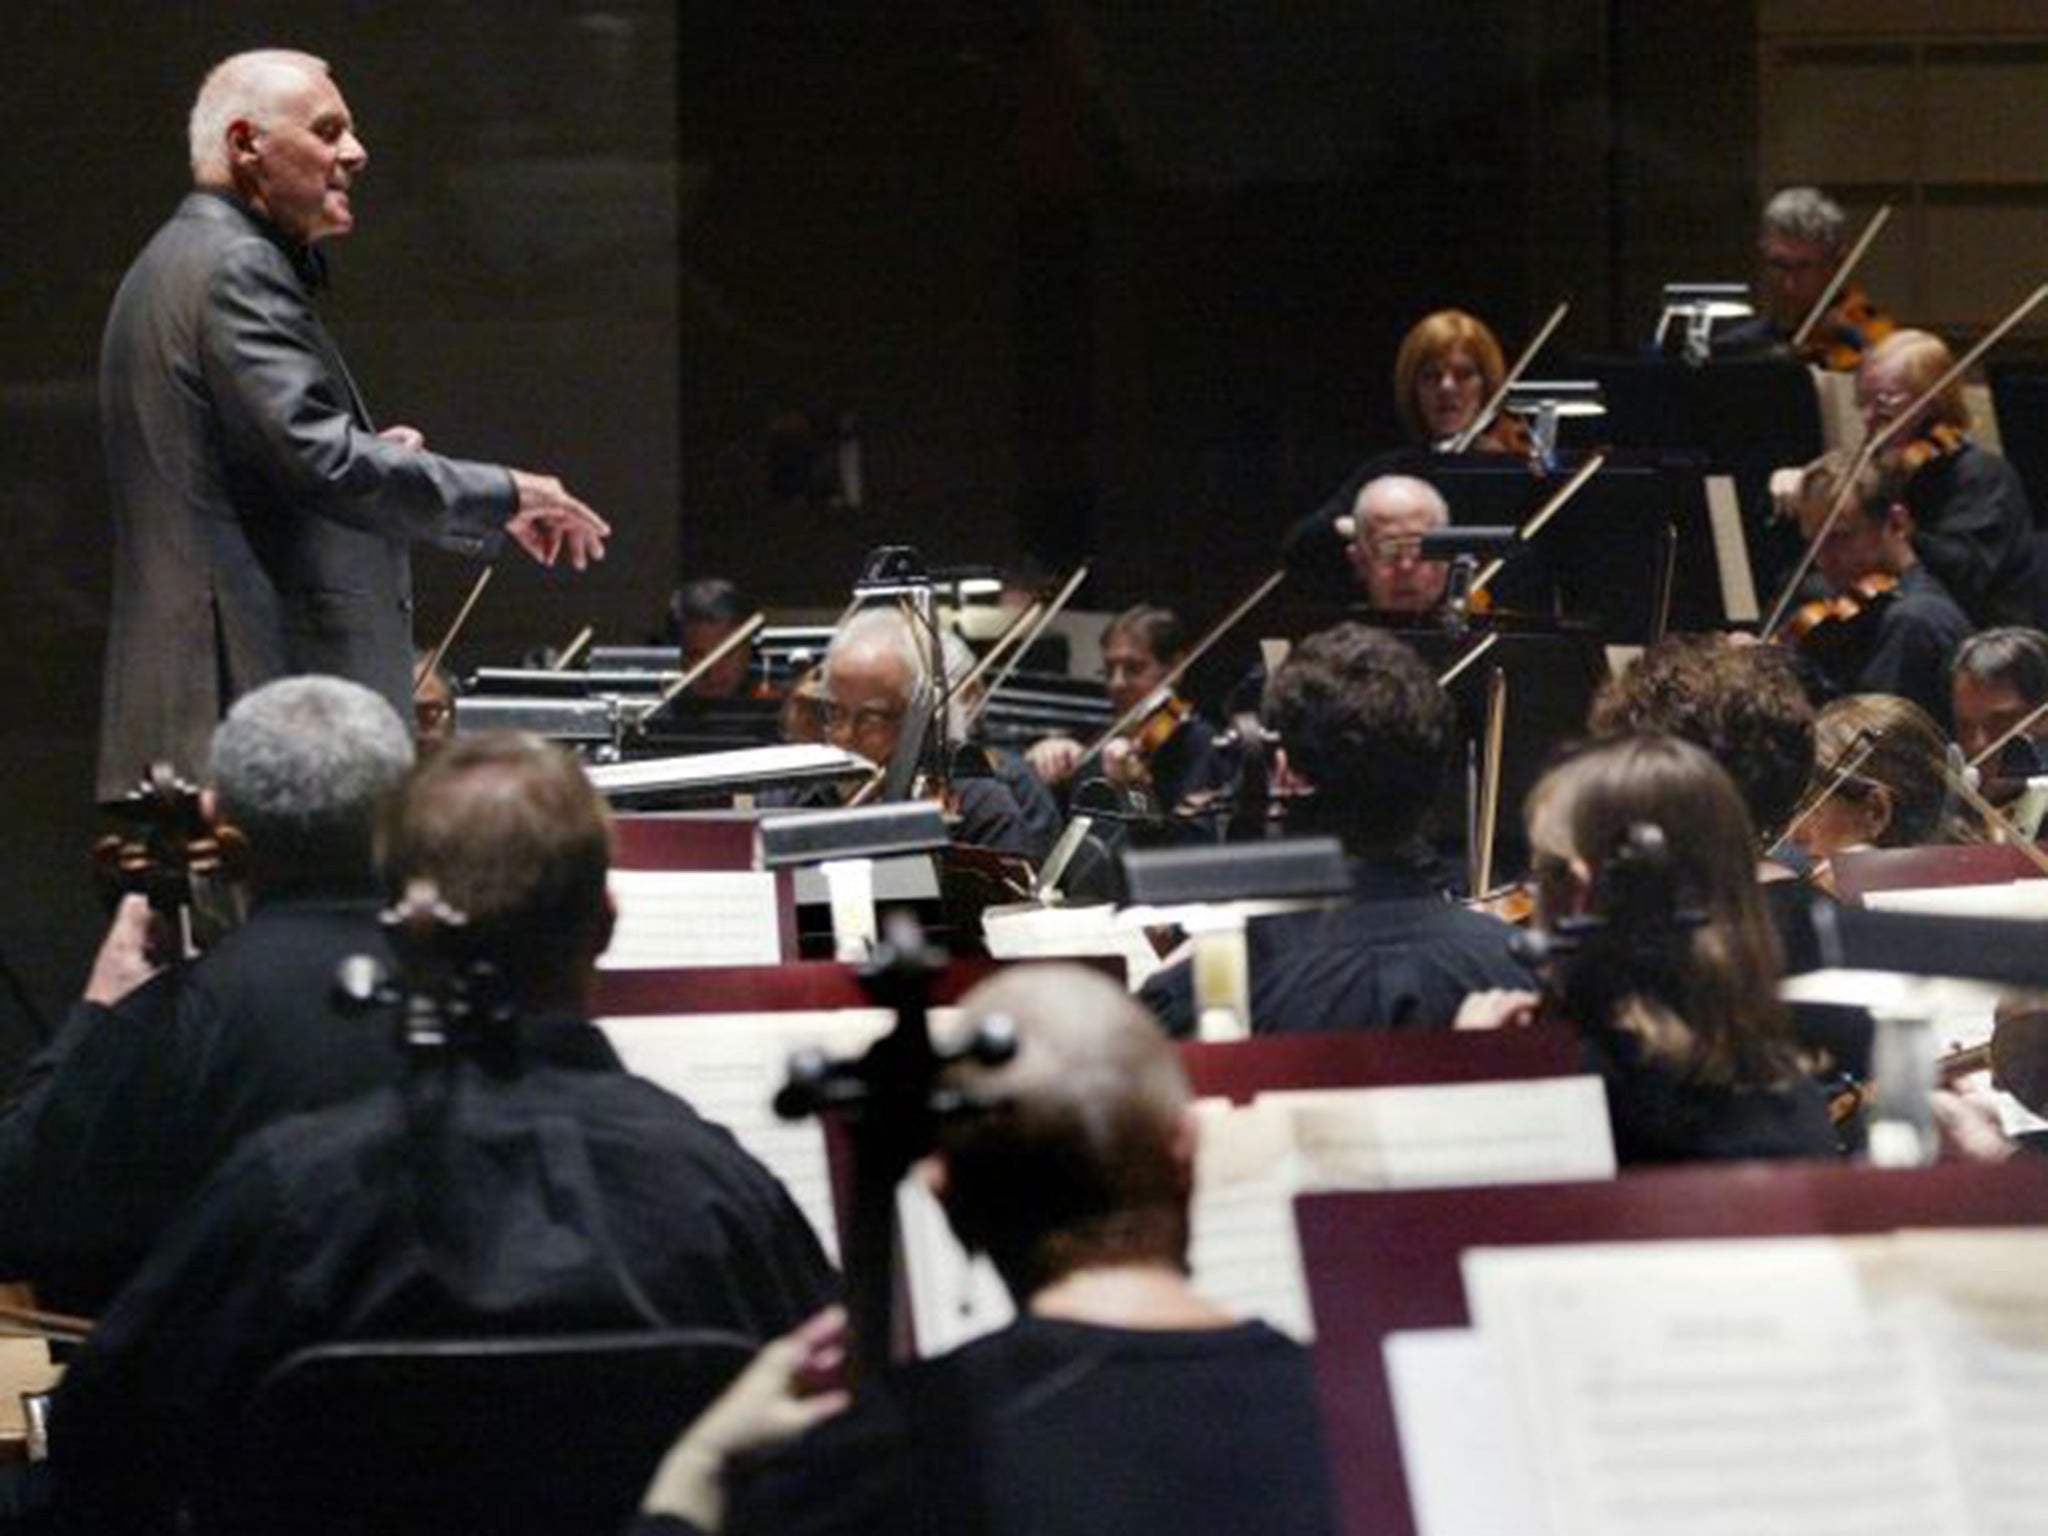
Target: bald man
{"points": [[262, 525], [1390, 517], [1121, 1399]]}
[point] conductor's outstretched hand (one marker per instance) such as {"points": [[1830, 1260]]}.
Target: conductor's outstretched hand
{"points": [[550, 522]]}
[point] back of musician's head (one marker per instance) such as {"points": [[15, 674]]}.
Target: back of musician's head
{"points": [[1428, 341], [1725, 1025], [1365, 724], [300, 766], [512, 834], [707, 600], [1805, 214], [1743, 705], [1904, 760], [1083, 1153]]}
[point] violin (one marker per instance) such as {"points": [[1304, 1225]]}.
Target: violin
{"points": [[1937, 441], [1836, 632], [190, 868]]}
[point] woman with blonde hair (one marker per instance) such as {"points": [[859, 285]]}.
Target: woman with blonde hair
{"points": [[1881, 772]]}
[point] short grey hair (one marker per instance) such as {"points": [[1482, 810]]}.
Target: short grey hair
{"points": [[1806, 213], [2010, 657], [1408, 486], [883, 629], [300, 766], [244, 85]]}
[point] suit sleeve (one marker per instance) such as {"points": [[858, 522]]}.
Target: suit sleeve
{"points": [[285, 407]]}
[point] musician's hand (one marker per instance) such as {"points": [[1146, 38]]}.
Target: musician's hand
{"points": [[1497, 1008], [1122, 764], [550, 522], [1969, 1128], [789, 1387], [126, 958], [405, 437], [1785, 484], [1054, 759]]}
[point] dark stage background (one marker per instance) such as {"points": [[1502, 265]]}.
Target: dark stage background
{"points": [[1122, 280]]}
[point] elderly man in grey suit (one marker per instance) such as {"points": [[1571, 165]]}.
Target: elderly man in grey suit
{"points": [[262, 525]]}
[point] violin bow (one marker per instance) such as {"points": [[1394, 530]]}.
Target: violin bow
{"points": [[567, 657], [432, 664], [1487, 412], [1995, 821], [1875, 444], [1841, 277], [2012, 732], [1541, 517], [709, 660], [1144, 708], [1458, 668], [1048, 611], [1489, 780], [1849, 765]]}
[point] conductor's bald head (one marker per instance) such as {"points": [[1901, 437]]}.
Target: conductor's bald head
{"points": [[1084, 1155]]}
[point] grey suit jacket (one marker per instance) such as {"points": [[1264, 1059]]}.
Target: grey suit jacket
{"points": [[261, 527]]}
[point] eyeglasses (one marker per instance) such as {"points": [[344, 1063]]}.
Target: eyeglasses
{"points": [[1398, 550], [869, 717]]}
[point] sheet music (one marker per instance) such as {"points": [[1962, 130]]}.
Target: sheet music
{"points": [[954, 1297], [1063, 933], [1462, 1456], [729, 1066], [691, 917], [1731, 551], [1252, 1160], [2023, 899], [1744, 1387]]}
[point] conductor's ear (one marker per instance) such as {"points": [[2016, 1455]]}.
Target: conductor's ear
{"points": [[241, 140]]}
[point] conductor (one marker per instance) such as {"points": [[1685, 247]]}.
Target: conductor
{"points": [[262, 524]]}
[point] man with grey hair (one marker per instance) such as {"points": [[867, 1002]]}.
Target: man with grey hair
{"points": [[1802, 244], [877, 681], [1390, 517], [158, 1073], [262, 525]]}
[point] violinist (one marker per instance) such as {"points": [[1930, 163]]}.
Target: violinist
{"points": [[1998, 680], [1448, 366], [1389, 519], [1170, 756], [140, 1095], [1802, 245], [1971, 523], [1887, 624], [1654, 943], [1898, 795], [1365, 732], [703, 614], [875, 678]]}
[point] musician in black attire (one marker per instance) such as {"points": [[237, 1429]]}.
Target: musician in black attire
{"points": [[1118, 1401], [144, 1091], [1904, 637], [1364, 732], [1672, 982], [516, 1183]]}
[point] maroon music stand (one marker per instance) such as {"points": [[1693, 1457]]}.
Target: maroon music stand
{"points": [[1381, 1262]]}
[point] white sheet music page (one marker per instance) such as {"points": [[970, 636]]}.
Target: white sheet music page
{"points": [[1244, 1255], [1424, 1136], [690, 917], [1462, 1453], [1736, 1388], [729, 1066], [1987, 1342], [954, 1296]]}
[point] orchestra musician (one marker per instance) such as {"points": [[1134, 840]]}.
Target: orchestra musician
{"points": [[1971, 523], [875, 674], [149, 1086], [1392, 514], [262, 525], [703, 615], [1661, 954], [514, 1181], [1119, 1400], [1888, 625], [1998, 679], [1898, 795], [1364, 733], [1802, 243], [1170, 756]]}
